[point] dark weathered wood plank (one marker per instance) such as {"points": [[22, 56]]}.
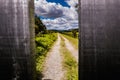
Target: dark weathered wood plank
{"points": [[100, 41], [15, 40]]}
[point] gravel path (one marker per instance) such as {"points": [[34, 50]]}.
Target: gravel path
{"points": [[53, 65], [71, 48]]}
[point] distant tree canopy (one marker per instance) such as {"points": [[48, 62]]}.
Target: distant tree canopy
{"points": [[39, 26], [74, 32]]}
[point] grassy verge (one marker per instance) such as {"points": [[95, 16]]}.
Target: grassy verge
{"points": [[69, 63], [74, 41], [70, 34], [43, 44]]}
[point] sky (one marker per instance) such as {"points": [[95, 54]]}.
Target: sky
{"points": [[57, 14]]}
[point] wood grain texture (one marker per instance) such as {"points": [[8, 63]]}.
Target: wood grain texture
{"points": [[15, 52], [100, 41]]}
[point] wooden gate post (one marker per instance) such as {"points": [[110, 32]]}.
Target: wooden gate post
{"points": [[100, 40], [16, 40]]}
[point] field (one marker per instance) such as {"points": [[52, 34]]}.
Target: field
{"points": [[70, 34]]}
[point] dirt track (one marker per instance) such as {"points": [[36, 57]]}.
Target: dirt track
{"points": [[53, 69], [69, 46], [53, 66]]}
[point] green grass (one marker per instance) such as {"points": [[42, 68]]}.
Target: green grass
{"points": [[43, 44], [70, 34], [69, 63], [74, 41]]}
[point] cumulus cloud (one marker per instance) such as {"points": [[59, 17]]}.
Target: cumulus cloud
{"points": [[48, 9], [64, 17], [72, 3], [60, 23]]}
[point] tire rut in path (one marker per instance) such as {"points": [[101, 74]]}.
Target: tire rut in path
{"points": [[53, 65], [70, 47]]}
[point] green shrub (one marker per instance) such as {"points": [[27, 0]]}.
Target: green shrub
{"points": [[40, 50]]}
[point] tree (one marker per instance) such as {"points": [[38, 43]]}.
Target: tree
{"points": [[39, 26], [74, 32]]}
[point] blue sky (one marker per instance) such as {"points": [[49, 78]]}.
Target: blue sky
{"points": [[62, 2], [57, 14]]}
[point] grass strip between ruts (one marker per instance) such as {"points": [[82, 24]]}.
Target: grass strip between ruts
{"points": [[74, 41], [69, 63]]}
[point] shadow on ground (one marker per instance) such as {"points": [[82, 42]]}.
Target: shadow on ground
{"points": [[39, 76]]}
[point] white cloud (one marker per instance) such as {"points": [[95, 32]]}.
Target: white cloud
{"points": [[72, 3], [48, 9], [64, 17], [60, 23]]}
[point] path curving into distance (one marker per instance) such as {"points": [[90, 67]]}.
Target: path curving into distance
{"points": [[53, 66]]}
